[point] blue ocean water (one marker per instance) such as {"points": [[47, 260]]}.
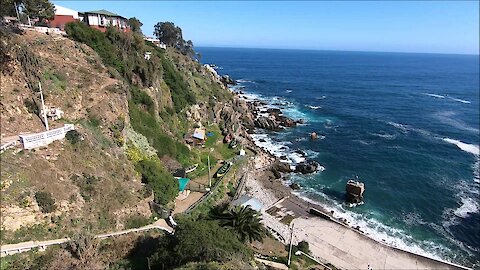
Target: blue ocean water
{"points": [[406, 124]]}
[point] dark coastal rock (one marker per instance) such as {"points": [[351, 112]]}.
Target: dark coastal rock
{"points": [[294, 186], [226, 80], [300, 152], [355, 191], [287, 122], [274, 111], [300, 121], [276, 173], [314, 135], [282, 167], [283, 158], [262, 140], [309, 166], [267, 123]]}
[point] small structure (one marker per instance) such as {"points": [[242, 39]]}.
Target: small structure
{"points": [[242, 152], [248, 201], [199, 133], [182, 183], [148, 55], [53, 113], [355, 191], [179, 173], [101, 19], [157, 42]]}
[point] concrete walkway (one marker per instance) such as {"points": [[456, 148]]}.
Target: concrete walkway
{"points": [[347, 249], [41, 245]]}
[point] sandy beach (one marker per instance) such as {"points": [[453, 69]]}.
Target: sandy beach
{"points": [[330, 241]]}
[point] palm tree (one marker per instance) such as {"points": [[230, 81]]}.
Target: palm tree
{"points": [[243, 220]]}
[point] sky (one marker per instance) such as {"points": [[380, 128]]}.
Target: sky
{"points": [[394, 26]]}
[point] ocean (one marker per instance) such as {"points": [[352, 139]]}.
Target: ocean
{"points": [[406, 124]]}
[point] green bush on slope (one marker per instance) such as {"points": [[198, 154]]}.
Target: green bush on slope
{"points": [[164, 186], [182, 96]]}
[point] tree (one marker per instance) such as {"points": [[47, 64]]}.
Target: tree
{"points": [[45, 201], [168, 33], [41, 9], [85, 248], [242, 220], [199, 241], [135, 25], [9, 7], [164, 186]]}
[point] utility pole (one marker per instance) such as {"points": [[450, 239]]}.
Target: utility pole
{"points": [[43, 112], [209, 177], [16, 10], [290, 250]]}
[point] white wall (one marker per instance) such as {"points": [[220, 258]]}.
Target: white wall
{"points": [[59, 10]]}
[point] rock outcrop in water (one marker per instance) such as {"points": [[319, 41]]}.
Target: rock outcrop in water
{"points": [[355, 191], [309, 166]]}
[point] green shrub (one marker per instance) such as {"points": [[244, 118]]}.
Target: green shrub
{"points": [[86, 183], [73, 136], [145, 123], [182, 96], [45, 201], [200, 241], [32, 106], [164, 186]]}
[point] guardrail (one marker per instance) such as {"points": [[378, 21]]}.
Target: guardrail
{"points": [[8, 145]]}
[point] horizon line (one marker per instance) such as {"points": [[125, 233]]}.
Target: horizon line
{"points": [[334, 50]]}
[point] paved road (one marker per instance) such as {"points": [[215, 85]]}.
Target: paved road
{"points": [[26, 246]]}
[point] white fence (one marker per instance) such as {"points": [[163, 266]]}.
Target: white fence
{"points": [[45, 138]]}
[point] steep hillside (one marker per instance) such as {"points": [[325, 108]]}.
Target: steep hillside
{"points": [[125, 110], [91, 182]]}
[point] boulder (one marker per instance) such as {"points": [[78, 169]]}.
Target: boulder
{"points": [[283, 167], [314, 135], [294, 186], [309, 166], [225, 79], [355, 191], [266, 123], [276, 173]]}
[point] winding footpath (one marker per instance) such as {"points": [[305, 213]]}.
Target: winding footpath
{"points": [[42, 245]]}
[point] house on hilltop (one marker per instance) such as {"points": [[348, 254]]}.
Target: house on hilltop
{"points": [[63, 16], [101, 19]]}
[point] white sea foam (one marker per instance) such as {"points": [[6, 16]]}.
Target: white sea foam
{"points": [[314, 107], [469, 148], [476, 171], [321, 97], [434, 95], [244, 81], [460, 100], [401, 127], [288, 91], [385, 135], [277, 149], [468, 206]]}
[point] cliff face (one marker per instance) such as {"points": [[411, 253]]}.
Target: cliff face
{"points": [[93, 182]]}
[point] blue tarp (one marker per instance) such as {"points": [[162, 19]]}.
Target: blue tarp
{"points": [[182, 183]]}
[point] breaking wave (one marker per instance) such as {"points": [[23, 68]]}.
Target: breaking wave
{"points": [[469, 148]]}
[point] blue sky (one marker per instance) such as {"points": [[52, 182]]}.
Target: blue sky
{"points": [[397, 26]]}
